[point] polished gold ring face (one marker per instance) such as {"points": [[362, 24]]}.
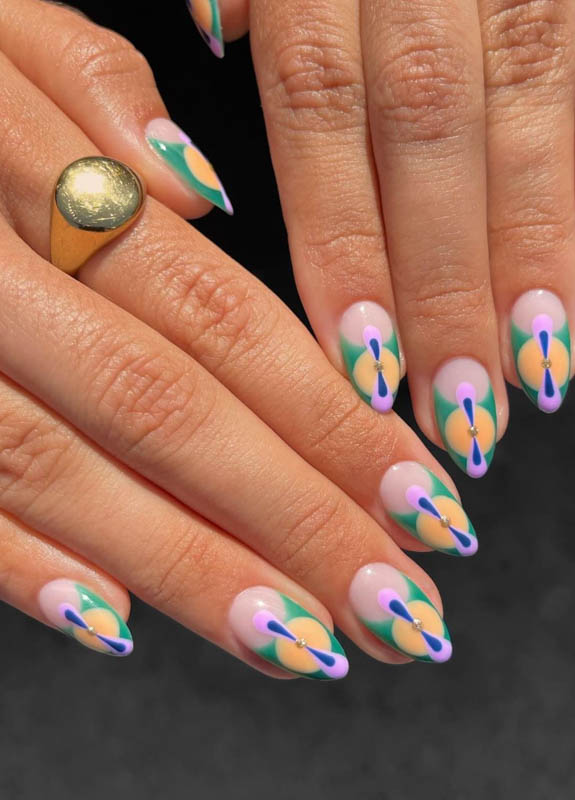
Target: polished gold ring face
{"points": [[95, 200]]}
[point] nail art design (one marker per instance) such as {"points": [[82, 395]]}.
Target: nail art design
{"points": [[395, 609], [423, 505], [177, 150], [285, 634], [84, 616], [206, 15], [371, 353], [466, 414], [541, 345]]}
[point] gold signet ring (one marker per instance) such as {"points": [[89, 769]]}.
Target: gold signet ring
{"points": [[95, 200]]}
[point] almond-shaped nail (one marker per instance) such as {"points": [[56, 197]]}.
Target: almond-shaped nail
{"points": [[86, 617], [541, 345], [206, 15], [466, 414], [282, 632], [423, 505], [395, 610], [371, 353], [178, 151]]}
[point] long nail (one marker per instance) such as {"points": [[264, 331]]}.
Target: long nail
{"points": [[206, 15], [395, 610], [371, 353], [84, 616], [176, 148], [541, 345], [423, 505], [466, 415], [282, 632]]}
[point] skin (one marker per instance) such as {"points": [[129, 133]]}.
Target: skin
{"points": [[150, 378]]}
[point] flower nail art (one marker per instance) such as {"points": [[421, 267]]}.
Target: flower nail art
{"points": [[541, 345], [395, 609], [423, 505], [282, 632], [371, 353], [206, 15], [466, 414], [84, 616], [177, 150]]}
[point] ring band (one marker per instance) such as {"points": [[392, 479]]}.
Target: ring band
{"points": [[95, 200]]}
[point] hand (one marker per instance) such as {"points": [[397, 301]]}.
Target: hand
{"points": [[207, 444], [425, 157]]}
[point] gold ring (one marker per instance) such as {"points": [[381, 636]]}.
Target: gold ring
{"points": [[95, 200]]}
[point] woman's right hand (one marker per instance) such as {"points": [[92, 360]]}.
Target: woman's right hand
{"points": [[168, 422]]}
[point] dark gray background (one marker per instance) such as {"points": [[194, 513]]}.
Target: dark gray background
{"points": [[182, 719]]}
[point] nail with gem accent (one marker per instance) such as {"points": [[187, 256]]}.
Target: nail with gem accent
{"points": [[541, 345], [176, 148], [206, 15], [282, 632], [86, 617], [371, 353], [423, 505], [466, 415], [395, 610]]}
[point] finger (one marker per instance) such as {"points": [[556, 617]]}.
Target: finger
{"points": [[153, 408], [218, 313], [38, 577], [309, 68], [171, 558], [530, 73], [107, 87], [424, 71], [219, 20]]}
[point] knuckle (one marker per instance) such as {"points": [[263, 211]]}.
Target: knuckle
{"points": [[316, 530], [449, 298], [95, 56], [143, 397], [528, 42], [423, 90], [180, 570], [346, 251], [34, 453], [536, 236], [216, 313], [318, 82]]}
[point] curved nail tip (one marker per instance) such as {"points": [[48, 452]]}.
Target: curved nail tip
{"points": [[86, 617]]}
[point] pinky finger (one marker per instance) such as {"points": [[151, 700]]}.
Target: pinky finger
{"points": [[62, 590], [107, 88]]}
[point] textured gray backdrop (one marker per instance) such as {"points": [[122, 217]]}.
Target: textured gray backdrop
{"points": [[182, 719]]}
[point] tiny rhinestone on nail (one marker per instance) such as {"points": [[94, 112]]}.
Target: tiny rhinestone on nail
{"points": [[444, 521], [473, 431], [300, 643], [417, 624], [546, 363], [92, 631], [378, 365]]}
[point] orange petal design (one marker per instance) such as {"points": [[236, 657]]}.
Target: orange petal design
{"points": [[295, 658], [364, 373], [457, 431], [410, 640], [430, 528], [104, 622], [530, 367], [201, 168]]}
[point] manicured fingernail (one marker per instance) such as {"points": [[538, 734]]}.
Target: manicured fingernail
{"points": [[177, 150], [395, 609], [423, 505], [84, 616], [466, 415], [371, 353], [541, 347], [206, 15], [282, 632]]}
